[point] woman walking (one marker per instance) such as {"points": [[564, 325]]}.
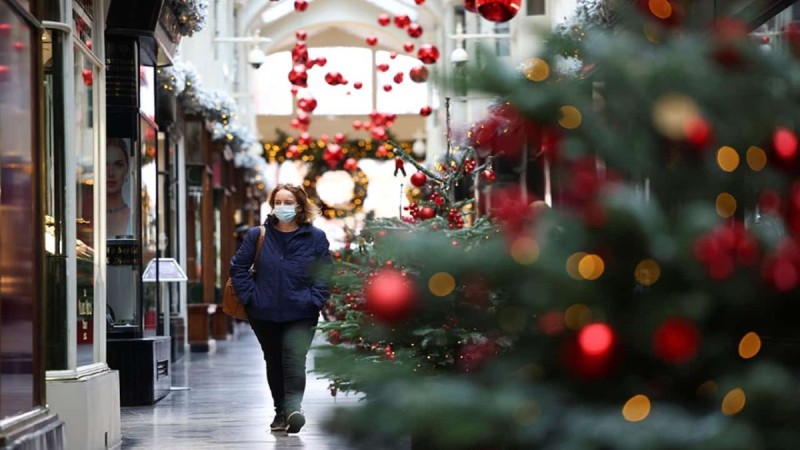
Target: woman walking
{"points": [[284, 295]]}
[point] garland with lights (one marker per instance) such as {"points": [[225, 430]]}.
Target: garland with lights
{"points": [[323, 156], [190, 14]]}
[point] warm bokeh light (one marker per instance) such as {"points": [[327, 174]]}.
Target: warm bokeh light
{"points": [[576, 316], [441, 284], [591, 267], [660, 8], [524, 250], [572, 265], [595, 339], [750, 345], [652, 32], [708, 389], [672, 113], [536, 69], [647, 272], [726, 205], [636, 409], [570, 117], [733, 403], [756, 158], [727, 159]]}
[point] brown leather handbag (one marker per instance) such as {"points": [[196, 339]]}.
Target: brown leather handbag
{"points": [[230, 300]]}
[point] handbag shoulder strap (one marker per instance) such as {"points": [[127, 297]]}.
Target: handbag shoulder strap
{"points": [[260, 243]]}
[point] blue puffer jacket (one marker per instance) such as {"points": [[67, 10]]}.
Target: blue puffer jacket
{"points": [[290, 283]]}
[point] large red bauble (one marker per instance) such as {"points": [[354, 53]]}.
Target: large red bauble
{"points": [[418, 74], [469, 5], [419, 179], [498, 10], [384, 19], [398, 77], [427, 213], [414, 30], [300, 5], [676, 341], [428, 53], [390, 296]]}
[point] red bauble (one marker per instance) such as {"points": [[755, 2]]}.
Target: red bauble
{"points": [[321, 61], [357, 124], [402, 21], [488, 176], [419, 179], [334, 337], [357, 85], [298, 76], [698, 133], [392, 54], [390, 296], [372, 41], [384, 19], [676, 341], [338, 138], [498, 10], [398, 77], [383, 67], [418, 74], [333, 78], [785, 143], [300, 5], [469, 5], [427, 213], [301, 35], [414, 30], [350, 164], [428, 53], [425, 111], [408, 47], [307, 104], [419, 2], [387, 87], [88, 77]]}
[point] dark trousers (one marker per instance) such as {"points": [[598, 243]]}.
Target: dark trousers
{"points": [[285, 345]]}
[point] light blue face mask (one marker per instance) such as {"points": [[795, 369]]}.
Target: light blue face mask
{"points": [[285, 213]]}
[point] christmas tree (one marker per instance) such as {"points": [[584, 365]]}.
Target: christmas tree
{"points": [[653, 306]]}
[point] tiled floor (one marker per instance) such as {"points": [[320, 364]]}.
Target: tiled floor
{"points": [[228, 406]]}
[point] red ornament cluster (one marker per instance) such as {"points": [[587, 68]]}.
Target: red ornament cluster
{"points": [[455, 219], [723, 248]]}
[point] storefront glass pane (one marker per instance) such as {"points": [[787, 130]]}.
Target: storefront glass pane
{"points": [[149, 221], [18, 239], [85, 175]]}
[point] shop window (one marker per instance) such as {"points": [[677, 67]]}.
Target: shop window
{"points": [[20, 256]]}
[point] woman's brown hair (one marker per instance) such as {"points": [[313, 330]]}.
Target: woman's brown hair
{"points": [[308, 211]]}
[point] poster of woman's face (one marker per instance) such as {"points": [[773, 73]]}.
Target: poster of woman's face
{"points": [[119, 185]]}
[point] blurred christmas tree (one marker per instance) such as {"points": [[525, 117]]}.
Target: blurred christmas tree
{"points": [[653, 307]]}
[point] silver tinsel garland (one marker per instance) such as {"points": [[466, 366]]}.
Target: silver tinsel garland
{"points": [[190, 14]]}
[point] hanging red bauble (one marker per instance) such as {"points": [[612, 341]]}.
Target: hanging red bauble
{"points": [[292, 152], [298, 76], [333, 78], [307, 104], [357, 124], [383, 67], [392, 54], [372, 41], [294, 123], [469, 5], [300, 5], [408, 47], [387, 87], [488, 176], [402, 21], [382, 151], [324, 138], [379, 133], [425, 111], [398, 77], [698, 133], [419, 2], [338, 138], [419, 179], [321, 61], [428, 53], [357, 85], [596, 339], [676, 341], [350, 164], [785, 143], [418, 74], [88, 77], [427, 213], [293, 90], [301, 35], [384, 19], [498, 10], [390, 296], [414, 30]]}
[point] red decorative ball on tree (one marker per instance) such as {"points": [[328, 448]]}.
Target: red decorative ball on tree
{"points": [[428, 53], [383, 67], [390, 296], [300, 5], [488, 176], [698, 133], [350, 164], [469, 5], [596, 339], [427, 213], [676, 341], [384, 19], [414, 30], [418, 74], [419, 179], [785, 142], [498, 10]]}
